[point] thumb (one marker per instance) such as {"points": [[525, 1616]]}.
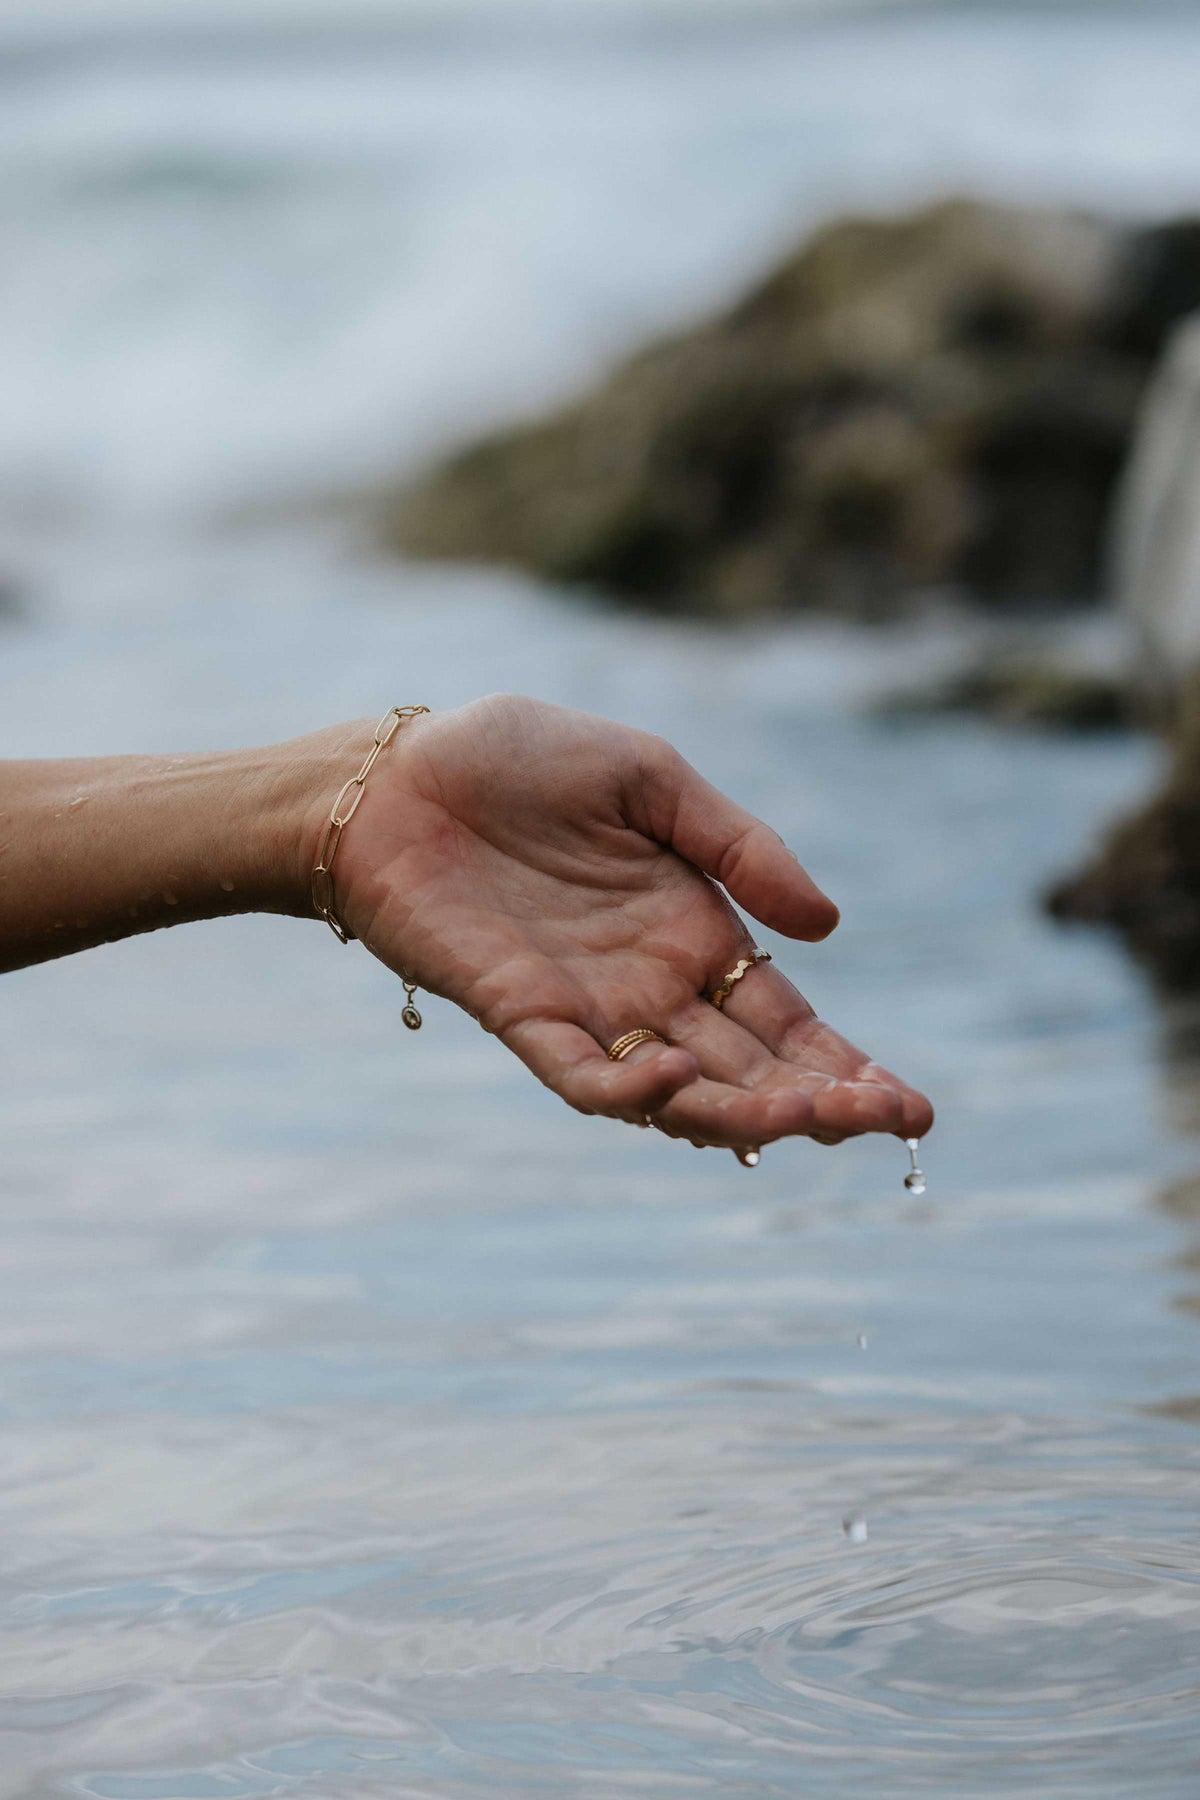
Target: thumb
{"points": [[750, 860]]}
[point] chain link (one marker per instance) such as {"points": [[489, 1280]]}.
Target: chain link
{"points": [[322, 875]]}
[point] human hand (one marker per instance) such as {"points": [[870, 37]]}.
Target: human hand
{"points": [[557, 876]]}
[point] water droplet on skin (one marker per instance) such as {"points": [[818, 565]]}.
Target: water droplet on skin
{"points": [[750, 1159], [914, 1181], [854, 1527]]}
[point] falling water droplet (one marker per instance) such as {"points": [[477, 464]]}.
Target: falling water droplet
{"points": [[854, 1527], [862, 1340], [914, 1181]]}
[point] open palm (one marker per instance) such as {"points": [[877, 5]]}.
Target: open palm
{"points": [[564, 880]]}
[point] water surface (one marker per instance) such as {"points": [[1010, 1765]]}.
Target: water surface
{"points": [[371, 1424], [374, 1424]]}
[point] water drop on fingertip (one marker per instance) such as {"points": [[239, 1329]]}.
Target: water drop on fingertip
{"points": [[914, 1181], [854, 1528]]}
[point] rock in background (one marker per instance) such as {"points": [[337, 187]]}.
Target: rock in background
{"points": [[943, 398], [1045, 693], [1145, 880]]}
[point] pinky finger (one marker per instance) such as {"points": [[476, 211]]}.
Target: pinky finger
{"points": [[570, 1061]]}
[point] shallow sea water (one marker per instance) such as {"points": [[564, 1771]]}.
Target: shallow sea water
{"points": [[371, 1425], [375, 1425]]}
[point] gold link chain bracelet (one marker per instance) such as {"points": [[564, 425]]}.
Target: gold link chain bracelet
{"points": [[322, 875]]}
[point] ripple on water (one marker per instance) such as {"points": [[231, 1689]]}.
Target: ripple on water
{"points": [[968, 1666], [679, 1622]]}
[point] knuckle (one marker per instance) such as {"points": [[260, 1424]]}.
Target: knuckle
{"points": [[657, 754], [736, 850]]}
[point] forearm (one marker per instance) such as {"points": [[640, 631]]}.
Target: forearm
{"points": [[102, 848]]}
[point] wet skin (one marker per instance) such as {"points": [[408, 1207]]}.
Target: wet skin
{"points": [[565, 880]]}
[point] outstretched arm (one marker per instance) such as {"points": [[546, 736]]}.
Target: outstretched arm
{"points": [[101, 848], [562, 878]]}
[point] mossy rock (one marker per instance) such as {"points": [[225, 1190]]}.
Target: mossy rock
{"points": [[941, 398]]}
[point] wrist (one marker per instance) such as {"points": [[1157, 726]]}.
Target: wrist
{"points": [[310, 775], [298, 788]]}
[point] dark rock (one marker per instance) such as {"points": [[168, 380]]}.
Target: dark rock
{"points": [[1145, 878], [1020, 691], [944, 398], [1158, 284]]}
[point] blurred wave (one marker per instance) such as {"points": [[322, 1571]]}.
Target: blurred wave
{"points": [[242, 268]]}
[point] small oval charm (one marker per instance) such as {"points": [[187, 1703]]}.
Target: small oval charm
{"points": [[411, 1017]]}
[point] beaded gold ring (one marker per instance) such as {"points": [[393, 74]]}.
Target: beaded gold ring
{"points": [[720, 995]]}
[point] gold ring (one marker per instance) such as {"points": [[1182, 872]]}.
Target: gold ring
{"points": [[643, 1035], [720, 995]]}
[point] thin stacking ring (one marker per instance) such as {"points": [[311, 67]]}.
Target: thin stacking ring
{"points": [[720, 995], [643, 1035]]}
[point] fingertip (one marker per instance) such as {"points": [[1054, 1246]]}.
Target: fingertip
{"points": [[801, 909], [875, 1107], [821, 920], [789, 1113], [678, 1064], [852, 1108], [918, 1115], [664, 1073], [916, 1112]]}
